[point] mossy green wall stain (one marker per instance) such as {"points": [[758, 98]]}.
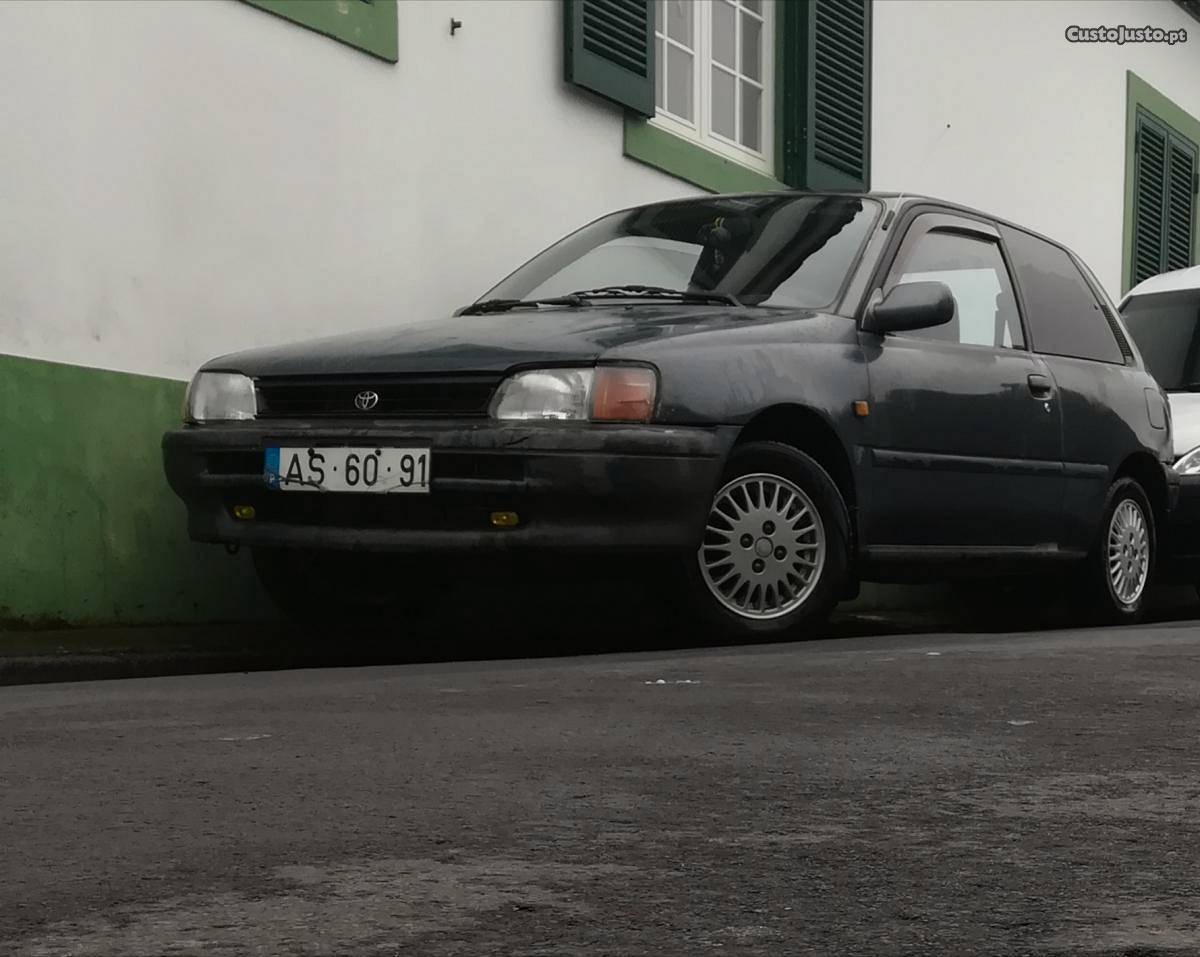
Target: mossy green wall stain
{"points": [[89, 531]]}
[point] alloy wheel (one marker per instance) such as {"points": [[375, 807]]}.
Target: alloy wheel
{"points": [[1128, 552], [764, 546]]}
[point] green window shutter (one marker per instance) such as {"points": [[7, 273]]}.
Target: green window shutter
{"points": [[1151, 159], [826, 94], [369, 25], [609, 48], [1164, 211], [1181, 203]]}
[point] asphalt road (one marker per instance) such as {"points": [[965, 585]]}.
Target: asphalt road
{"points": [[1002, 794]]}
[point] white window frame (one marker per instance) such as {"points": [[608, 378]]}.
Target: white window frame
{"points": [[700, 131]]}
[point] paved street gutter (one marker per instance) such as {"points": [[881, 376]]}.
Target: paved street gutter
{"points": [[34, 657], [482, 627]]}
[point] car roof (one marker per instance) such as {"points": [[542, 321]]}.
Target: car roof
{"points": [[1178, 280]]}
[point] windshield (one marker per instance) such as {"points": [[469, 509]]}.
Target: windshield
{"points": [[774, 250], [1166, 328]]}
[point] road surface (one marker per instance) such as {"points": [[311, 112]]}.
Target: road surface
{"points": [[1032, 794]]}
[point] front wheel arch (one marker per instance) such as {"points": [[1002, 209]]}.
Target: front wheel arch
{"points": [[807, 431], [788, 463]]}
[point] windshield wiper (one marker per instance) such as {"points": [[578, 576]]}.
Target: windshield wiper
{"points": [[584, 296], [503, 305], [636, 291]]}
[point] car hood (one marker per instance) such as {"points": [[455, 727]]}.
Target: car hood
{"points": [[498, 341], [1185, 420]]}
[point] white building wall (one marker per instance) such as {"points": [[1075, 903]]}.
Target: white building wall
{"points": [[182, 179], [187, 178], [986, 103]]}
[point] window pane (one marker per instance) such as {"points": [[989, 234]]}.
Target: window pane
{"points": [[751, 48], [679, 82], [986, 309], [679, 21], [660, 79], [1166, 328], [780, 249], [645, 259], [1064, 317], [724, 39], [755, 5], [723, 93], [751, 116]]}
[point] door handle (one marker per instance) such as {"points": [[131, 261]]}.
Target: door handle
{"points": [[1040, 386]]}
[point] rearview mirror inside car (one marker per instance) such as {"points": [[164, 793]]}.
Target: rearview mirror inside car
{"points": [[911, 305]]}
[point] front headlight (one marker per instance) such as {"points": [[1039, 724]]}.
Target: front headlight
{"points": [[221, 397], [603, 394], [1188, 464], [544, 394]]}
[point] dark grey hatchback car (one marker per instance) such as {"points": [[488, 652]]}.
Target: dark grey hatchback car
{"points": [[781, 394]]}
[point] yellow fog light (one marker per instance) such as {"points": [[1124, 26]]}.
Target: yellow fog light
{"points": [[505, 519], [243, 513]]}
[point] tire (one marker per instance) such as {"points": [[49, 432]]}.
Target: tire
{"points": [[329, 586], [767, 589], [1121, 565]]}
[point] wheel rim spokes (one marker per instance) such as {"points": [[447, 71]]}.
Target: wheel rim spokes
{"points": [[1128, 552], [764, 546]]}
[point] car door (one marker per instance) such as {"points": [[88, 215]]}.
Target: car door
{"points": [[964, 437]]}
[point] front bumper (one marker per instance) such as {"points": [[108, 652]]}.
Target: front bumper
{"points": [[573, 486], [1181, 541]]}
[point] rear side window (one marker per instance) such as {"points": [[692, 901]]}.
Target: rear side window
{"points": [[1063, 315]]}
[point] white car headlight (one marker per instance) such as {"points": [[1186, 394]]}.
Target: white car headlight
{"points": [[221, 397], [1188, 464], [545, 394], [608, 393]]}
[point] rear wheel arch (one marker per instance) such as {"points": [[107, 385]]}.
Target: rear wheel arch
{"points": [[1148, 472]]}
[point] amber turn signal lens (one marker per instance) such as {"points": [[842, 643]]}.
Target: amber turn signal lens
{"points": [[243, 513], [623, 394], [505, 519]]}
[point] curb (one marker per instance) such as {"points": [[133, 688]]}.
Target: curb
{"points": [[93, 654], [44, 657]]}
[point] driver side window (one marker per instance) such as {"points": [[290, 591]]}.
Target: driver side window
{"points": [[973, 269]]}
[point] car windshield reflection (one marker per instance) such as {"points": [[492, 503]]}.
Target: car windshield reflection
{"points": [[774, 250]]}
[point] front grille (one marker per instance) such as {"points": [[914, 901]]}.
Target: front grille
{"points": [[465, 395]]}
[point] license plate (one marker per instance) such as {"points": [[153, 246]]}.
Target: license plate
{"points": [[341, 469]]}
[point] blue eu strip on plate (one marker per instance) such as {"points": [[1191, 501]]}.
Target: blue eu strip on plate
{"points": [[271, 467]]}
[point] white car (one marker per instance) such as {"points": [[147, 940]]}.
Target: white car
{"points": [[1163, 316]]}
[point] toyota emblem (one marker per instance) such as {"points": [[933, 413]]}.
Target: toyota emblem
{"points": [[366, 401]]}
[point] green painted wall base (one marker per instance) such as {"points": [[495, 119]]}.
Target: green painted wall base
{"points": [[91, 535], [89, 531]]}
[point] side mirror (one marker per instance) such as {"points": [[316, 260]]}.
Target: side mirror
{"points": [[911, 305]]}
